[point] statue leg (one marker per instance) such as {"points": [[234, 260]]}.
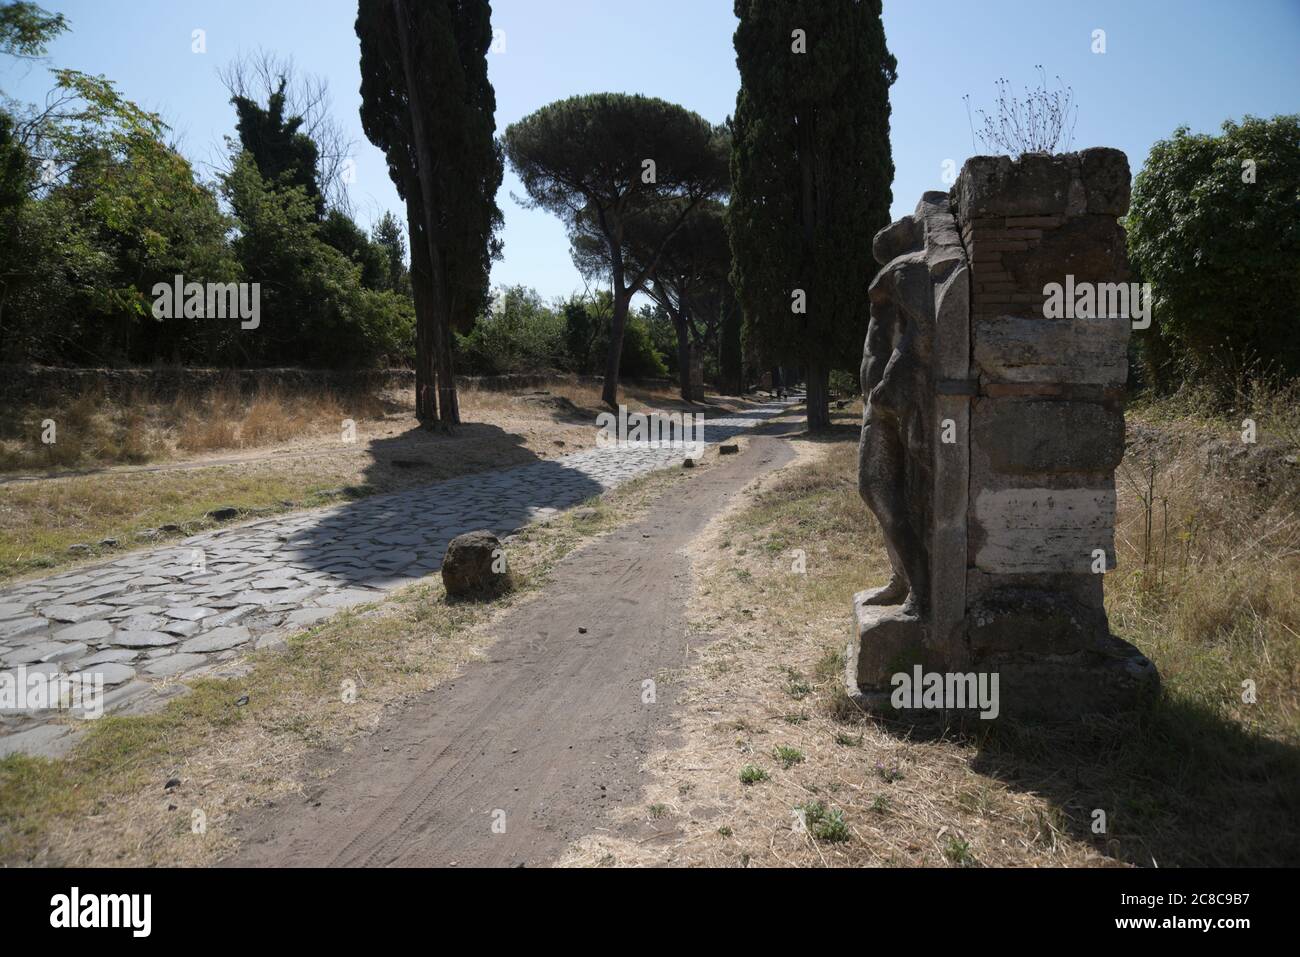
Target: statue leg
{"points": [[880, 472]]}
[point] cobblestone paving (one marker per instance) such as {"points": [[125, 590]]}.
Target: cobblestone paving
{"points": [[200, 604]]}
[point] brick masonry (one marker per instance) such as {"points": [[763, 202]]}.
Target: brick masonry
{"points": [[1047, 417]]}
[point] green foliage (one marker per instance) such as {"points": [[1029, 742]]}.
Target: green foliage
{"points": [[1222, 254], [96, 209], [285, 155], [825, 824], [591, 148], [450, 40], [583, 322], [520, 333], [662, 334], [845, 384], [15, 166], [688, 260], [811, 173], [338, 230], [787, 755], [122, 212], [26, 28], [427, 102], [315, 309], [390, 239], [639, 359], [585, 160], [958, 851]]}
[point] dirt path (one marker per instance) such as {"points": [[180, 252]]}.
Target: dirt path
{"points": [[537, 741]]}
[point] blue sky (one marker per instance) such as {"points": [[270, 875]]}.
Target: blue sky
{"points": [[1167, 63]]}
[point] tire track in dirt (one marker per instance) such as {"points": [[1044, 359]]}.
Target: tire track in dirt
{"points": [[551, 729]]}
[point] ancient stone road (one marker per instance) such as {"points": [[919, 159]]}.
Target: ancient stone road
{"points": [[200, 604]]}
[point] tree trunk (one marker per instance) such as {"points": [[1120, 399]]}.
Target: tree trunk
{"points": [[684, 358], [818, 403], [426, 363], [439, 300], [617, 326], [731, 363], [448, 399], [681, 326]]}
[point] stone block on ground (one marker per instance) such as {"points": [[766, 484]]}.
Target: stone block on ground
{"points": [[474, 566], [889, 640]]}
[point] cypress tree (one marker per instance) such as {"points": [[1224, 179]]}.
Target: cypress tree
{"points": [[427, 102], [811, 171]]}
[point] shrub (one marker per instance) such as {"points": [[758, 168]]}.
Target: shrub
{"points": [[1213, 228], [519, 334]]}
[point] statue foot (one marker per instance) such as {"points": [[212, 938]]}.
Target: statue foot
{"points": [[890, 594]]}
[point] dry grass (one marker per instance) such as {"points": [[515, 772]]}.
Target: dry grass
{"points": [[107, 802], [94, 431], [1203, 780], [1197, 406], [226, 419], [289, 455]]}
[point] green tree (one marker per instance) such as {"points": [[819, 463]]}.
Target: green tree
{"points": [[811, 172], [315, 309], [605, 162], [339, 231], [428, 104], [1213, 227], [688, 272], [113, 211], [584, 320], [663, 335], [15, 166], [26, 28], [298, 106], [519, 334], [390, 238], [285, 155], [639, 358], [688, 283]]}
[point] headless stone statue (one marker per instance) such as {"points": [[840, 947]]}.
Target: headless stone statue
{"points": [[893, 457]]}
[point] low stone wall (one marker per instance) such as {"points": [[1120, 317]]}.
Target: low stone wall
{"points": [[21, 384], [25, 384]]}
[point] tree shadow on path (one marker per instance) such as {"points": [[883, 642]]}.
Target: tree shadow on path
{"points": [[384, 541]]}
